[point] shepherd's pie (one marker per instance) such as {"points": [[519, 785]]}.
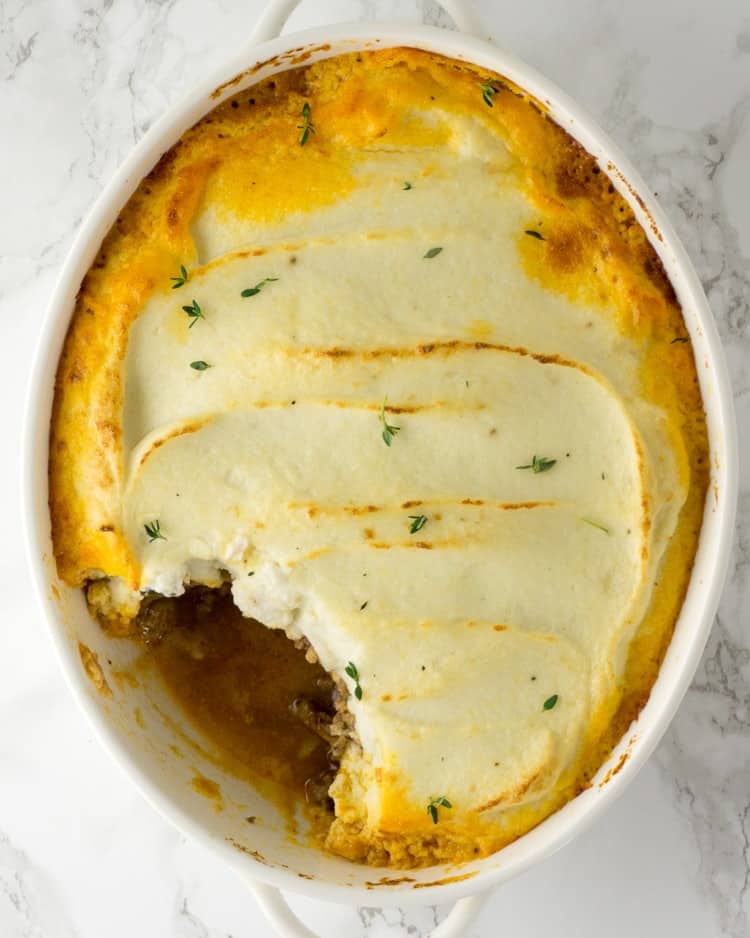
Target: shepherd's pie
{"points": [[379, 348]]}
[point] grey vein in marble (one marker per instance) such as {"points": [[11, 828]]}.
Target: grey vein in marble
{"points": [[29, 904]]}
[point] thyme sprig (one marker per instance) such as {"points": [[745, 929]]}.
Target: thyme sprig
{"points": [[153, 529], [193, 312], [417, 523], [180, 281], [435, 803], [595, 524], [254, 291], [539, 464], [389, 430], [488, 93], [306, 127], [351, 670]]}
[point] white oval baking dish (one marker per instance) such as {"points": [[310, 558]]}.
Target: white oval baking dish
{"points": [[138, 724]]}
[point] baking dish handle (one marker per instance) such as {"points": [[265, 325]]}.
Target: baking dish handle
{"points": [[277, 12], [287, 925]]}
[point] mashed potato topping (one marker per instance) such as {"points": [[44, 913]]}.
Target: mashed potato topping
{"points": [[385, 347]]}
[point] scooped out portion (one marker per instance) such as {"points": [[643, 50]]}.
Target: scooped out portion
{"points": [[382, 431], [264, 702]]}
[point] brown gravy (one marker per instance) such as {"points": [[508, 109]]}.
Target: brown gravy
{"points": [[236, 681]]}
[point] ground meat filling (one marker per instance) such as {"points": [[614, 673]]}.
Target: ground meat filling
{"points": [[335, 728], [260, 698]]}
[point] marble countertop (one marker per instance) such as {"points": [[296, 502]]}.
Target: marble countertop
{"points": [[81, 854]]}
